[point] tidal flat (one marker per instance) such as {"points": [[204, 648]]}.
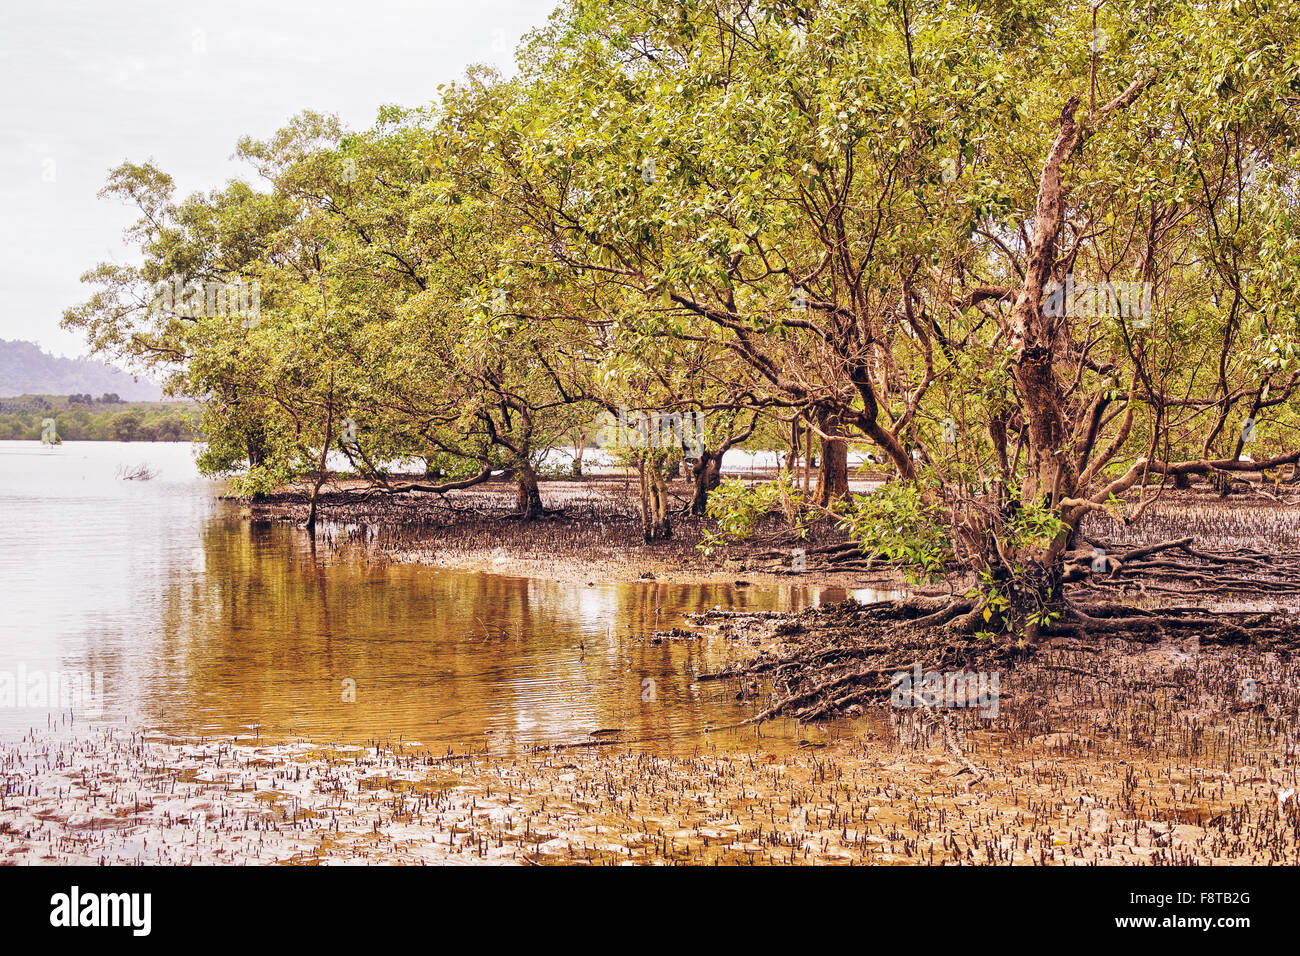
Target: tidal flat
{"points": [[502, 713], [1152, 762]]}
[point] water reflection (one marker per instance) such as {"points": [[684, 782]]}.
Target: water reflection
{"points": [[204, 621], [272, 629]]}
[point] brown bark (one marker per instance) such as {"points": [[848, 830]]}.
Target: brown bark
{"points": [[654, 500], [833, 475], [1052, 477], [321, 472], [1050, 472], [706, 474], [807, 458], [386, 488], [792, 456], [528, 498]]}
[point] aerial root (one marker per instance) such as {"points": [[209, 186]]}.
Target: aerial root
{"points": [[830, 659], [836, 657], [1148, 625], [790, 703], [1239, 571]]}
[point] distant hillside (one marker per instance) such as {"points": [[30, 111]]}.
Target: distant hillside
{"points": [[26, 370]]}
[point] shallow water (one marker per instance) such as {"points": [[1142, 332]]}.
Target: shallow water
{"points": [[202, 621]]}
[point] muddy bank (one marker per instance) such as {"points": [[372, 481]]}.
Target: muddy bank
{"points": [[594, 536], [1142, 756], [1230, 579], [1110, 744]]}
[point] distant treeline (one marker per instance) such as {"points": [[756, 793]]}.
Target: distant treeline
{"points": [[86, 418]]}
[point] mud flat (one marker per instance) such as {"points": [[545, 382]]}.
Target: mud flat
{"points": [[593, 535], [1095, 755], [1158, 737]]}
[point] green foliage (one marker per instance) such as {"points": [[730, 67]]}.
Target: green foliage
{"points": [[803, 215], [1034, 526], [1012, 595], [737, 509], [257, 479], [899, 523]]}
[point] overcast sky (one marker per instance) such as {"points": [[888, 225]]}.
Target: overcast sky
{"points": [[85, 86]]}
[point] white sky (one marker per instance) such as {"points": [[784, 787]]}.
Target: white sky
{"points": [[85, 86]]}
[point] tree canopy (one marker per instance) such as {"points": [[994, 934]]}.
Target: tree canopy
{"points": [[1034, 255]]}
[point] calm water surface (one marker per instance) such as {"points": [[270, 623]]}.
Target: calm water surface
{"points": [[202, 621]]}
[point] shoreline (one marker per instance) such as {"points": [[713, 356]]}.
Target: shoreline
{"points": [[1095, 750], [596, 539], [1090, 760]]}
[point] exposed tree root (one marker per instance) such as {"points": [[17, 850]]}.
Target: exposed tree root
{"points": [[842, 556], [1219, 627], [830, 659], [1221, 573], [845, 655]]}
